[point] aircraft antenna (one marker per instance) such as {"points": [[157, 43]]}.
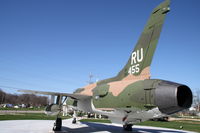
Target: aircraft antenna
{"points": [[90, 78]]}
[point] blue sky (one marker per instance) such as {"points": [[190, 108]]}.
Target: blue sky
{"points": [[54, 45]]}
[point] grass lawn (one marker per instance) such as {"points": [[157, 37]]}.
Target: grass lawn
{"points": [[24, 109], [29, 116], [186, 125]]}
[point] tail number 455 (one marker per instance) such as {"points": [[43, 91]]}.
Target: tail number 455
{"points": [[134, 69]]}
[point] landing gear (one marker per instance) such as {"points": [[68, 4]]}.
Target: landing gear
{"points": [[74, 118], [57, 125], [74, 121], [127, 127]]}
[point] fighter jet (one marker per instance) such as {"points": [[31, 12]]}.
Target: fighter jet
{"points": [[131, 96]]}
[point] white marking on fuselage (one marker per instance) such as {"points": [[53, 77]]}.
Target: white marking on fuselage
{"points": [[136, 57]]}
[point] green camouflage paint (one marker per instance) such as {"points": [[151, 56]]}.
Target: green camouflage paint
{"points": [[140, 92]]}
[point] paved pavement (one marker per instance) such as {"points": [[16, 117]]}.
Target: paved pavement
{"points": [[45, 126]]}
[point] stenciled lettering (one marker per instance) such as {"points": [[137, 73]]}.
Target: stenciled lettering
{"points": [[136, 57]]}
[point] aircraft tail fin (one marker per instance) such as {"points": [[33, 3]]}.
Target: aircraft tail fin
{"points": [[138, 65], [141, 57]]}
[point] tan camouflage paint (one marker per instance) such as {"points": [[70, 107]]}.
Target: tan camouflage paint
{"points": [[117, 87], [138, 66], [88, 89]]}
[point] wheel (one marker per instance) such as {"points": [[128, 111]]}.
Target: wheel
{"points": [[74, 121], [128, 127], [57, 125]]}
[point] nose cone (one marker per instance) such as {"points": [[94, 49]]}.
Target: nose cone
{"points": [[172, 97]]}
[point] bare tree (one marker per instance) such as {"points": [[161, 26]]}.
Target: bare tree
{"points": [[2, 96], [27, 99]]}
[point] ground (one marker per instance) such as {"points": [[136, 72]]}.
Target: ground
{"points": [[45, 126]]}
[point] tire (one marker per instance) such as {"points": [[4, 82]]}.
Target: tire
{"points": [[74, 121], [57, 125], [127, 127]]}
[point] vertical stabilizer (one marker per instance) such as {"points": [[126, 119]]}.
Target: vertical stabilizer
{"points": [[140, 59]]}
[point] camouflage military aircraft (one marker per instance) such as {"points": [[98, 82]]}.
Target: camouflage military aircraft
{"points": [[131, 96]]}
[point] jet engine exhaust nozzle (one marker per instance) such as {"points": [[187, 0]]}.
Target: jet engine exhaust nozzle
{"points": [[172, 97]]}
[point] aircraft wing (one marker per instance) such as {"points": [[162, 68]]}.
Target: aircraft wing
{"points": [[74, 96]]}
